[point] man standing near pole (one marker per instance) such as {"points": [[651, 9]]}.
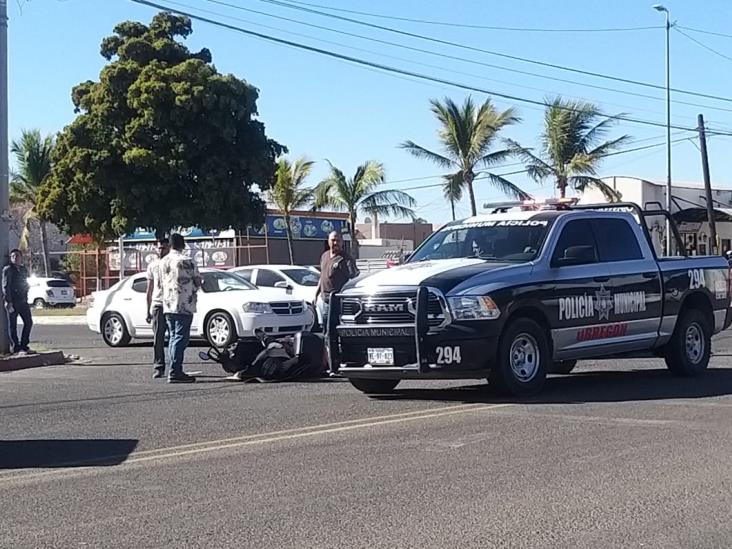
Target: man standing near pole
{"points": [[155, 313], [15, 293]]}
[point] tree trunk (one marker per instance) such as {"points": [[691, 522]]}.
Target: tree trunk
{"points": [[354, 238], [452, 207], [562, 186], [44, 249], [471, 193], [288, 231]]}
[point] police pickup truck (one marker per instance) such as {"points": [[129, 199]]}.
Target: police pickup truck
{"points": [[516, 294]]}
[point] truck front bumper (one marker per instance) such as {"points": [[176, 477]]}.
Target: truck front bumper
{"points": [[418, 352]]}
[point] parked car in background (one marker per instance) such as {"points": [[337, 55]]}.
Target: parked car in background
{"points": [[50, 292], [297, 281], [229, 308]]}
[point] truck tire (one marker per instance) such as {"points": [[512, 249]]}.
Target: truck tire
{"points": [[374, 386], [688, 352], [523, 359], [563, 367]]}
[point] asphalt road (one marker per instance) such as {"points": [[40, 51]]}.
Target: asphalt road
{"points": [[99, 455]]}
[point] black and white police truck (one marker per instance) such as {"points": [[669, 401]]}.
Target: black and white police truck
{"points": [[528, 290]]}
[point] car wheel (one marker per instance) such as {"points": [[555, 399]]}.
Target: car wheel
{"points": [[523, 359], [690, 347], [39, 304], [563, 367], [220, 330], [114, 331], [375, 386]]}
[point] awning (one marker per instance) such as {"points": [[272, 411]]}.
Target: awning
{"points": [[699, 215]]}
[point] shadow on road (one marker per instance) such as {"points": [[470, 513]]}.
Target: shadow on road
{"points": [[49, 453], [584, 387]]}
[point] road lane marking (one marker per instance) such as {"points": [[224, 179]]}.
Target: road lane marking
{"points": [[247, 440]]}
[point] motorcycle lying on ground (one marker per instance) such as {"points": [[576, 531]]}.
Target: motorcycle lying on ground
{"points": [[270, 358]]}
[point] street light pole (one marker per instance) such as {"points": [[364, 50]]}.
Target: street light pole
{"points": [[4, 167], [661, 8]]}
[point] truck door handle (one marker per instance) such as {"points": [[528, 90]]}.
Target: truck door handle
{"points": [[651, 274], [602, 278]]}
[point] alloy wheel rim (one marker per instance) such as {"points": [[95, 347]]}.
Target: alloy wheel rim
{"points": [[113, 330], [219, 330]]}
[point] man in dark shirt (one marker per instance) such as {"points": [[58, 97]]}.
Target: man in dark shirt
{"points": [[336, 268], [15, 292]]}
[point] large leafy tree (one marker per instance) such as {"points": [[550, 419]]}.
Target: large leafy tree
{"points": [[32, 154], [467, 135], [288, 192], [573, 145], [360, 194], [161, 140]]}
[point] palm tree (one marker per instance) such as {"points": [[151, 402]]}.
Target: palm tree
{"points": [[358, 194], [467, 136], [572, 147], [33, 159], [288, 193]]}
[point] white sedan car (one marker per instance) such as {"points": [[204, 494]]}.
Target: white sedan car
{"points": [[229, 308], [298, 282]]}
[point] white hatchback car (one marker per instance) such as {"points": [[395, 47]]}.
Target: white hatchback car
{"points": [[50, 292], [229, 308], [299, 282]]}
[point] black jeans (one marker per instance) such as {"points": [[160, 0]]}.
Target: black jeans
{"points": [[159, 326], [23, 311]]}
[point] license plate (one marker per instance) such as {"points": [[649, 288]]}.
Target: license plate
{"points": [[64, 292], [381, 356]]}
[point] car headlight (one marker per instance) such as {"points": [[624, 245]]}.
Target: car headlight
{"points": [[473, 307], [254, 307]]}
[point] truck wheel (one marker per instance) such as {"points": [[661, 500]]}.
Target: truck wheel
{"points": [[374, 386], [688, 352], [523, 359], [220, 330], [562, 367]]}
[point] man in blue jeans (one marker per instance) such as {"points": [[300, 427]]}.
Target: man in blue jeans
{"points": [[181, 282], [15, 293]]}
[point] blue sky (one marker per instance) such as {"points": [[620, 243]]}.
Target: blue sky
{"points": [[326, 108]]}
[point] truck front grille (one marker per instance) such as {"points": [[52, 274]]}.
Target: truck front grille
{"points": [[392, 309]]}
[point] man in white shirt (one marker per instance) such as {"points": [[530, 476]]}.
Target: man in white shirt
{"points": [[181, 282], [155, 313]]}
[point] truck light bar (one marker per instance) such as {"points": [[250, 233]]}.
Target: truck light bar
{"points": [[533, 204]]}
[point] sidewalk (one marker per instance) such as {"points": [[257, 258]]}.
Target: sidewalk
{"points": [[58, 320]]}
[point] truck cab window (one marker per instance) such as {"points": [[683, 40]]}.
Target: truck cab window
{"points": [[616, 240], [576, 245]]}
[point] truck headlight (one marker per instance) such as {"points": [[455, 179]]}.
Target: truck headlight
{"points": [[254, 307], [473, 307]]}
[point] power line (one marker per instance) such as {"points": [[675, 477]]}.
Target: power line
{"points": [[469, 26], [480, 50], [703, 45], [702, 31], [432, 53], [387, 68]]}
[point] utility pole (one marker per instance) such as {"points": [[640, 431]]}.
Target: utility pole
{"points": [[663, 9], [4, 168], [707, 186]]}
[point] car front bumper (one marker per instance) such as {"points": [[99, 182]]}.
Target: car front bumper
{"points": [[273, 324]]}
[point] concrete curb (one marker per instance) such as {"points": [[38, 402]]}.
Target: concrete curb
{"points": [[58, 320], [10, 363]]}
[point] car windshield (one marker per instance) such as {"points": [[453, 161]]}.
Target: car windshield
{"points": [[224, 282], [302, 277], [504, 240]]}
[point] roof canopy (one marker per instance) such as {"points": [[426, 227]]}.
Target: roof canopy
{"points": [[699, 215]]}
